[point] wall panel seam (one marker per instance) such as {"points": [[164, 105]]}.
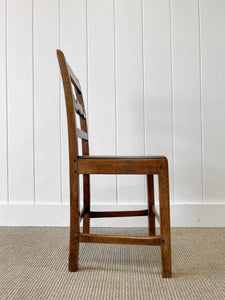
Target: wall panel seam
{"points": [[172, 101], [143, 85], [201, 100], [7, 120], [34, 177], [60, 108], [143, 73], [87, 52], [115, 87]]}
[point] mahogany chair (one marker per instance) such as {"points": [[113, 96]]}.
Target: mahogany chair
{"points": [[85, 165]]}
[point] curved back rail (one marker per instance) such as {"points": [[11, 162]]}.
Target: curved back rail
{"points": [[75, 105]]}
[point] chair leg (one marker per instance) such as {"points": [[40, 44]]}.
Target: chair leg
{"points": [[74, 225], [73, 253], [165, 222], [86, 188], [151, 216]]}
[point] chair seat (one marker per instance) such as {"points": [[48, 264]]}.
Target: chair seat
{"points": [[121, 157], [120, 164]]}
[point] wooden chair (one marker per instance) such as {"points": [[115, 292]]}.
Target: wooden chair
{"points": [[85, 165]]}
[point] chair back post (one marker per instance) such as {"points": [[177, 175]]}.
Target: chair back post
{"points": [[71, 119], [75, 105], [86, 177]]}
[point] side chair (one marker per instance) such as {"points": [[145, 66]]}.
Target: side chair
{"points": [[85, 164]]}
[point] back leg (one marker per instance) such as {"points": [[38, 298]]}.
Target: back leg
{"points": [[151, 216], [86, 187], [74, 224]]}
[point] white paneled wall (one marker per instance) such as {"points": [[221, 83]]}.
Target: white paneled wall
{"points": [[158, 106], [47, 155], [153, 77], [101, 92], [187, 120], [212, 30], [129, 93], [73, 41], [20, 102], [3, 107]]}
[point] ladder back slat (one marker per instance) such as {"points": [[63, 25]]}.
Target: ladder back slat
{"points": [[82, 134], [74, 78], [79, 108]]}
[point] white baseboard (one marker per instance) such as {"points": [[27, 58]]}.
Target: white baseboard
{"points": [[182, 215]]}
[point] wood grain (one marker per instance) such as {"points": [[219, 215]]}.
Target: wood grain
{"points": [[113, 214], [119, 239], [120, 166], [151, 201], [164, 206]]}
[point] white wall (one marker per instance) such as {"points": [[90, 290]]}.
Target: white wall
{"points": [[153, 76]]}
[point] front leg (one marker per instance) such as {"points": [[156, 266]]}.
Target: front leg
{"points": [[165, 220]]}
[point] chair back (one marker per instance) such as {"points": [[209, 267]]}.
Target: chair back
{"points": [[74, 106]]}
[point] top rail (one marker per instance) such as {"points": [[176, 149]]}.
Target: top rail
{"points": [[74, 78]]}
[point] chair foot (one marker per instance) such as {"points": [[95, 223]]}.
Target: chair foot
{"points": [[73, 255], [73, 266], [167, 274], [166, 260]]}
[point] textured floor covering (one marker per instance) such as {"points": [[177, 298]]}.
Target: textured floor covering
{"points": [[33, 265]]}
